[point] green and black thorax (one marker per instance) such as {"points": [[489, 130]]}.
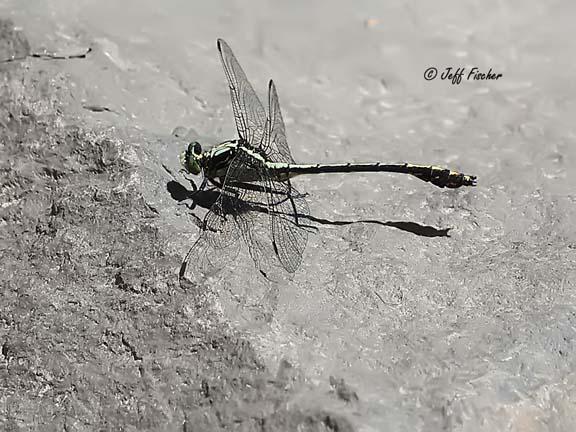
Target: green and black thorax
{"points": [[215, 162]]}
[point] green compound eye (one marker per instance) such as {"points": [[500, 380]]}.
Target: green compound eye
{"points": [[190, 159]]}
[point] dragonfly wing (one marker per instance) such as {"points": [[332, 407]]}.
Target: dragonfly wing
{"points": [[265, 214], [204, 260], [252, 213], [271, 221], [288, 205], [216, 247], [249, 112], [288, 232], [275, 144]]}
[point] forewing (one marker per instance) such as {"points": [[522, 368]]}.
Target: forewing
{"points": [[249, 112], [275, 144]]}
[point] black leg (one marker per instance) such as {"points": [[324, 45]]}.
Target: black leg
{"points": [[191, 205], [203, 184], [189, 179]]}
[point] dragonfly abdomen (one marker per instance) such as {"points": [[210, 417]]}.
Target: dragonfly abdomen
{"points": [[441, 177]]}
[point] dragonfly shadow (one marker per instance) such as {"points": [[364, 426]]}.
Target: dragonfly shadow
{"points": [[411, 227], [206, 198], [180, 193]]}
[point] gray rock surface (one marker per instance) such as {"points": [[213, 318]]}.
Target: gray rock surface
{"points": [[468, 332]]}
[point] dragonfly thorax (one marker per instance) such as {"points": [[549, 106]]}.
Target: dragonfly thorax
{"points": [[213, 162]]}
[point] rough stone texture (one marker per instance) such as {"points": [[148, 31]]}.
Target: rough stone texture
{"points": [[95, 333], [468, 332]]}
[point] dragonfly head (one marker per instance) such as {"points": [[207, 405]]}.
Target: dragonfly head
{"points": [[191, 157]]}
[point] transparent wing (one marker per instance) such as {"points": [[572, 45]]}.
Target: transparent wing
{"points": [[288, 233], [265, 213], [274, 143], [249, 112], [204, 260], [217, 245], [268, 216], [272, 225], [252, 212]]}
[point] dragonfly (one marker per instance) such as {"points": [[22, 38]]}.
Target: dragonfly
{"points": [[253, 174]]}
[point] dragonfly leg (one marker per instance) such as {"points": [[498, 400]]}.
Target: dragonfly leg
{"points": [[189, 179], [289, 197], [203, 184], [198, 222], [301, 195], [198, 189], [309, 228], [190, 206]]}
